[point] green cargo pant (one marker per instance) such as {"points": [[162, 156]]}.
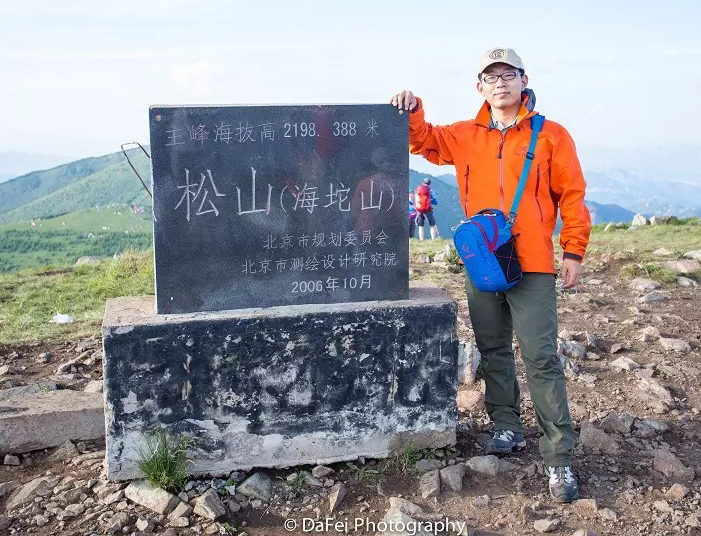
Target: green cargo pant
{"points": [[530, 309]]}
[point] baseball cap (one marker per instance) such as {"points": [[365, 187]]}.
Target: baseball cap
{"points": [[500, 55]]}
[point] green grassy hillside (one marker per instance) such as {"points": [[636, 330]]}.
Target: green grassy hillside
{"points": [[62, 240], [114, 184], [32, 186]]}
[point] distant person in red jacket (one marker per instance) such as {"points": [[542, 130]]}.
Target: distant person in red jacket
{"points": [[424, 201]]}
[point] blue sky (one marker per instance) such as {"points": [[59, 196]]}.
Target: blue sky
{"points": [[78, 76]]}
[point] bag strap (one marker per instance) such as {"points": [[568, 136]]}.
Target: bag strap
{"points": [[536, 126]]}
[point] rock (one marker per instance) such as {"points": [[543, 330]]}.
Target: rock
{"points": [[406, 507], [683, 267], [117, 522], [311, 480], [677, 346], [658, 426], [662, 252], [257, 486], [7, 487], [662, 506], [572, 349], [584, 532], [489, 465], [73, 510], [584, 506], [652, 297], [649, 334], [619, 424], [595, 438], [336, 496], [430, 484], [624, 363], [639, 221], [656, 389], [9, 459], [451, 477], [179, 522], [395, 519], [468, 361], [209, 506], [93, 386], [677, 492], [608, 514], [608, 227], [686, 282], [49, 419], [40, 520], [546, 525], [423, 466], [643, 284], [615, 348], [182, 510], [693, 521], [321, 471], [470, 400], [67, 451], [155, 499], [695, 254], [144, 525], [39, 487], [481, 502], [6, 370], [113, 497], [670, 466]]}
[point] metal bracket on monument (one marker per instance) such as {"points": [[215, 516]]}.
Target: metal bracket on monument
{"points": [[132, 165]]}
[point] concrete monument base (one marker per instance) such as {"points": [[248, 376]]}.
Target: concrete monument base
{"points": [[281, 386]]}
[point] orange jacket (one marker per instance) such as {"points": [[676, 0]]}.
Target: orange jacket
{"points": [[488, 166]]}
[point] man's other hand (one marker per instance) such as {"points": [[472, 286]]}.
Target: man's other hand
{"points": [[571, 273], [404, 100]]}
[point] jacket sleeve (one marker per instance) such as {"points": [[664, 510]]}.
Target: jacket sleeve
{"points": [[567, 186], [432, 142], [434, 198]]}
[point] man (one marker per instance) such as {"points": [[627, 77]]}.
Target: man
{"points": [[424, 201], [488, 153]]}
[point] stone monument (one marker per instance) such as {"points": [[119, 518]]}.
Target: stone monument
{"points": [[284, 330]]}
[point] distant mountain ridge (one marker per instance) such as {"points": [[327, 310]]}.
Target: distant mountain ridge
{"points": [[108, 179]]}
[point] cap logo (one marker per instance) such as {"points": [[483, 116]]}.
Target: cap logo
{"points": [[497, 54]]}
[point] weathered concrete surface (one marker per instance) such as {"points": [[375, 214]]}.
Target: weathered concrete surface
{"points": [[281, 386], [43, 420]]}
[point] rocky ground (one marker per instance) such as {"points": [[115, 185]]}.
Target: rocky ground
{"points": [[632, 354]]}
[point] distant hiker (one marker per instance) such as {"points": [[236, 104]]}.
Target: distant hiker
{"points": [[488, 153], [424, 201], [412, 215]]}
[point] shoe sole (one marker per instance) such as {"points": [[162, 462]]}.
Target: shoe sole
{"points": [[516, 448], [564, 501]]}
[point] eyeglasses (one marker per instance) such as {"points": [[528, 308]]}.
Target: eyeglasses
{"points": [[492, 78]]}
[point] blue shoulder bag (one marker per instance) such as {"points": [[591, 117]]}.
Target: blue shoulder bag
{"points": [[485, 243]]}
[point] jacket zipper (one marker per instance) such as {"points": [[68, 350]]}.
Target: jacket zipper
{"points": [[537, 190], [501, 169]]}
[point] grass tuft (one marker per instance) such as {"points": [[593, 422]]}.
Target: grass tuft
{"points": [[164, 461], [651, 271]]}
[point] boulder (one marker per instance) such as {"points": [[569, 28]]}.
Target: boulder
{"points": [[155, 499]]}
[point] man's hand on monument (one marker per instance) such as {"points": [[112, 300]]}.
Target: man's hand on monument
{"points": [[571, 273], [404, 100]]}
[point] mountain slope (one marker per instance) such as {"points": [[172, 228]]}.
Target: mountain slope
{"points": [[115, 183]]}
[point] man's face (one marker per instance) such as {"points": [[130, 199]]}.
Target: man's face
{"points": [[502, 93]]}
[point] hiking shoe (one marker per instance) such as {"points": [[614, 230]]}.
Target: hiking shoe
{"points": [[563, 484], [505, 442]]}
